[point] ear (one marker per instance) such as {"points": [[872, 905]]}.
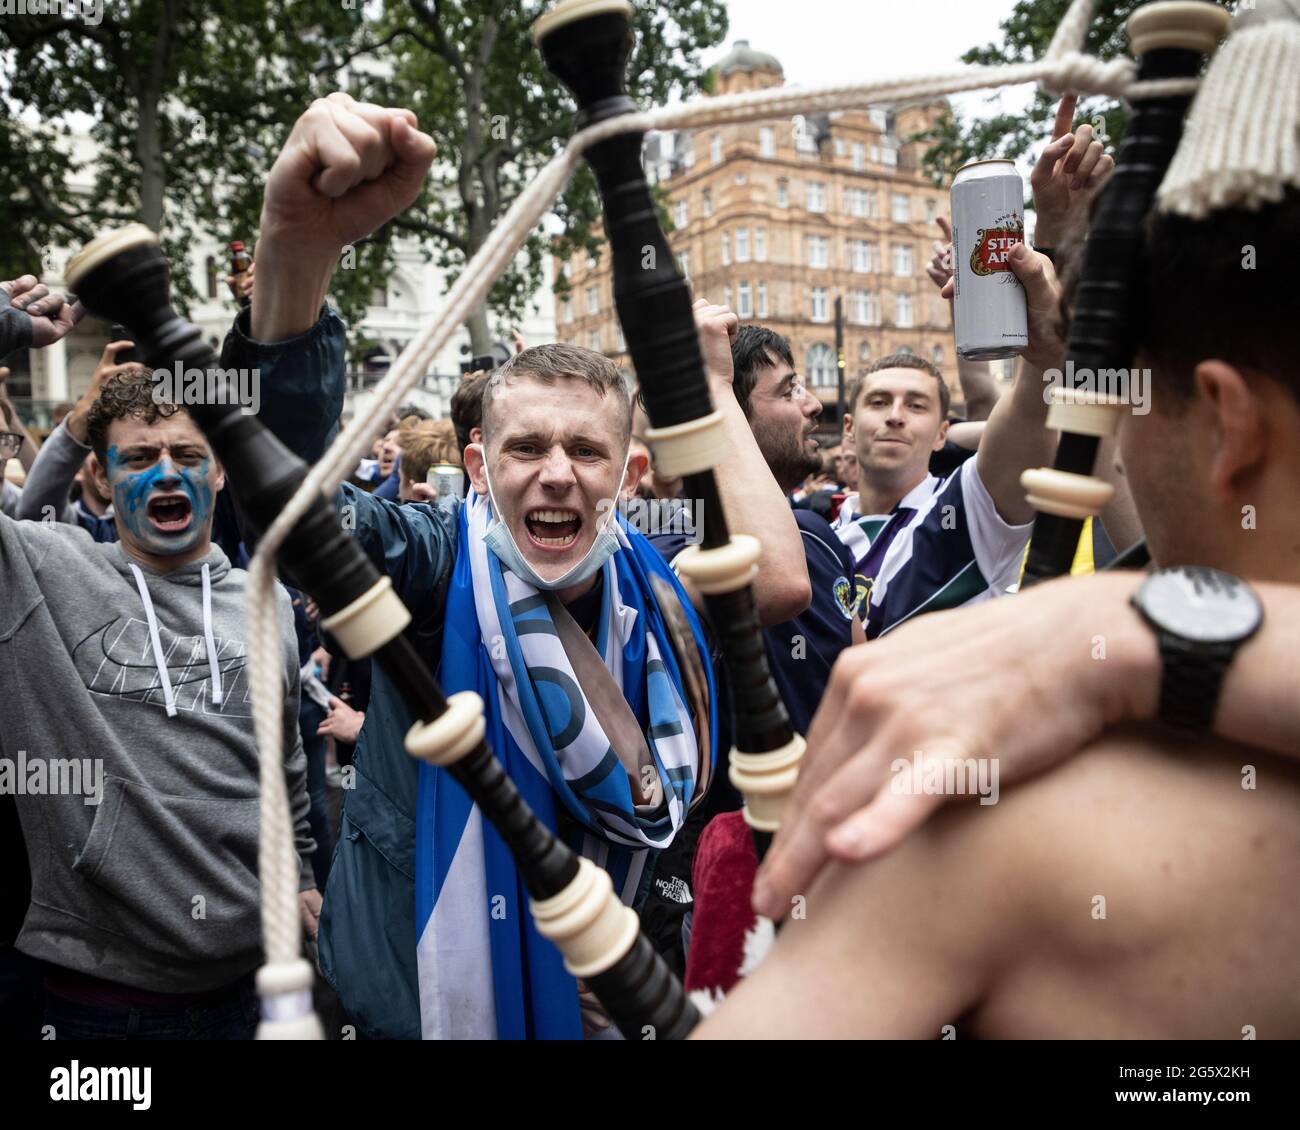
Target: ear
{"points": [[942, 437], [638, 463], [1239, 432], [101, 479], [476, 435], [848, 429], [475, 459], [219, 478]]}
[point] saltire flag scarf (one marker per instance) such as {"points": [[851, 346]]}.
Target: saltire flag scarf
{"points": [[484, 971]]}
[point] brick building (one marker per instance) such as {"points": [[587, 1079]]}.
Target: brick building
{"points": [[779, 219]]}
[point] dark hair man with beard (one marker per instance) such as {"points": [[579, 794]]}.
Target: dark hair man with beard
{"points": [[782, 414]]}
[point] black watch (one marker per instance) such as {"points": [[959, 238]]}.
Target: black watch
{"points": [[1201, 617]]}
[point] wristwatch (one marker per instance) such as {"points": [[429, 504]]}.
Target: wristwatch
{"points": [[1201, 617]]}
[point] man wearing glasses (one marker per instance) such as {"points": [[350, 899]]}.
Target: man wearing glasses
{"points": [[11, 443]]}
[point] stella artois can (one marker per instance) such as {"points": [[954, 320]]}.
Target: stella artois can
{"points": [[987, 221]]}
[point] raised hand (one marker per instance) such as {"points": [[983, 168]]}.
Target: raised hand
{"points": [[76, 419], [347, 168], [1046, 347], [717, 327], [1066, 177], [51, 314], [939, 268], [241, 285]]}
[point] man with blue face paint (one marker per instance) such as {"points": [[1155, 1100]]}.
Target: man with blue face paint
{"points": [[66, 456], [589, 654], [126, 659]]}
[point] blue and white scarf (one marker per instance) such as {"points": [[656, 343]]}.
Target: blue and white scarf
{"points": [[484, 971]]}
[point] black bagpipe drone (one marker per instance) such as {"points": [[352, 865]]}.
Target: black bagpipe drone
{"points": [[1172, 39]]}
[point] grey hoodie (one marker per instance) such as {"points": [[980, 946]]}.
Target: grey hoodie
{"points": [[147, 873], [50, 478], [11, 497]]}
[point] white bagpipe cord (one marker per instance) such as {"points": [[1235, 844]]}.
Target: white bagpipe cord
{"points": [[285, 981]]}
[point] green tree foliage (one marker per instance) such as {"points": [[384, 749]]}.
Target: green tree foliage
{"points": [[189, 102], [1026, 34]]}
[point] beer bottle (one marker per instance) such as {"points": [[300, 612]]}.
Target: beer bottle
{"points": [[240, 261]]}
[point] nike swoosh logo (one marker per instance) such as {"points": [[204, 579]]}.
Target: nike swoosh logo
{"points": [[116, 659]]}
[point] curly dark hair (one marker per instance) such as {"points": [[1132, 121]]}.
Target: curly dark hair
{"points": [[129, 392]]}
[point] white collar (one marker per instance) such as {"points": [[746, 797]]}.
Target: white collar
{"points": [[914, 498]]}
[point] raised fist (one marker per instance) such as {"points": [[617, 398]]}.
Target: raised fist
{"points": [[717, 327], [1068, 174], [347, 168], [51, 314]]}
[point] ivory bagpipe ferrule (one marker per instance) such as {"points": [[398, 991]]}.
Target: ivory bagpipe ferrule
{"points": [[1172, 39]]}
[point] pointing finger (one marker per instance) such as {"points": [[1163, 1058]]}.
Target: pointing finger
{"points": [[1064, 115]]}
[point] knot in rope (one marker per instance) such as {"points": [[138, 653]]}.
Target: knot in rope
{"points": [[1076, 71]]}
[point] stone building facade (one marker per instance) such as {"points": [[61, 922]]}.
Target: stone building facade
{"points": [[779, 219]]}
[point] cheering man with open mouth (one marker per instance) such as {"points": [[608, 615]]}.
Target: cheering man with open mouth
{"points": [[144, 907], [535, 593]]}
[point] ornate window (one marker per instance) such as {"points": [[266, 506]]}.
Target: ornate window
{"points": [[820, 305], [821, 367]]}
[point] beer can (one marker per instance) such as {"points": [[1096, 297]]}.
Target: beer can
{"points": [[449, 481], [988, 219]]}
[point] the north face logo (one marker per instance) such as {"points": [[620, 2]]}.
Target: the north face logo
{"points": [[674, 889]]}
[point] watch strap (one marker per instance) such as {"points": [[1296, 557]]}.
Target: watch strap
{"points": [[1192, 681]]}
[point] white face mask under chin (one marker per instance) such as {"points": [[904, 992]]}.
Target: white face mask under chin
{"points": [[502, 543]]}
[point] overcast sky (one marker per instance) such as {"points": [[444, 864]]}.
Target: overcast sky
{"points": [[825, 41]]}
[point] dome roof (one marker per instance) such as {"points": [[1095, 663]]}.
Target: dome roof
{"points": [[742, 57]]}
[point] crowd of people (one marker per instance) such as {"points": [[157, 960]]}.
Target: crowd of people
{"points": [[1116, 877]]}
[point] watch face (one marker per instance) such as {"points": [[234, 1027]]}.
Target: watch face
{"points": [[1200, 604]]}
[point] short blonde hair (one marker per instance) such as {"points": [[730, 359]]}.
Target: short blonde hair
{"points": [[424, 443], [546, 363]]}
